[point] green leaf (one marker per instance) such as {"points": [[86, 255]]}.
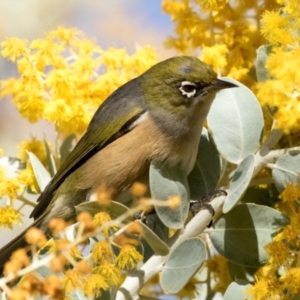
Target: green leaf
{"points": [[50, 160], [263, 53], [41, 174], [168, 181], [236, 122], [205, 176], [242, 234], [239, 182], [158, 246], [237, 291], [183, 263], [286, 170], [66, 147], [114, 209]]}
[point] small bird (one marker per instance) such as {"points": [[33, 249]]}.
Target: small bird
{"points": [[157, 116]]}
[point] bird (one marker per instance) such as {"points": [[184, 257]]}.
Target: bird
{"points": [[155, 117]]}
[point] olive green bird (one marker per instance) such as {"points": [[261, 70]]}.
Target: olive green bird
{"points": [[157, 116]]}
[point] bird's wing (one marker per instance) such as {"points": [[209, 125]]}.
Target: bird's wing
{"points": [[113, 119]]}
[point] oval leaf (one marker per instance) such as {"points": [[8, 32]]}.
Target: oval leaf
{"points": [[205, 176], [236, 122], [158, 246], [182, 265], [263, 53], [66, 147], [237, 291], [50, 160], [239, 182], [287, 170], [165, 182], [114, 209], [242, 234], [41, 174]]}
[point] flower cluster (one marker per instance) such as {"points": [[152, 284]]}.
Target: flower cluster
{"points": [[280, 276], [222, 33], [65, 77]]}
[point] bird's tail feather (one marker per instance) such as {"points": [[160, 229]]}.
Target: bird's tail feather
{"points": [[18, 242]]}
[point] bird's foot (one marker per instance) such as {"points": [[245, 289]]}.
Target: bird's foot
{"points": [[203, 203]]}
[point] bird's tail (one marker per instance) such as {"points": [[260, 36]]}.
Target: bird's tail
{"points": [[15, 244]]}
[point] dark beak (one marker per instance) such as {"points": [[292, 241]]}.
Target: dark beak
{"points": [[218, 84]]}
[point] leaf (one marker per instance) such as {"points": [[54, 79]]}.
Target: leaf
{"points": [[114, 209], [66, 147], [50, 160], [205, 176], [236, 122], [41, 174], [263, 53], [168, 181], [183, 263], [239, 182], [286, 170], [242, 234], [237, 291], [158, 246]]}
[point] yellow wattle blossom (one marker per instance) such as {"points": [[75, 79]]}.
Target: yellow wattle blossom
{"points": [[93, 285], [218, 267], [1, 152], [10, 187], [35, 146], [102, 218], [215, 56], [225, 32], [14, 48], [128, 257], [283, 90], [9, 216], [102, 253], [65, 77], [111, 273], [72, 280]]}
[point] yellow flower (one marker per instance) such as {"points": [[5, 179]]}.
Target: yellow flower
{"points": [[110, 273], [14, 48], [30, 105], [35, 146], [93, 285], [102, 252], [9, 216], [217, 265], [65, 35], [102, 218], [128, 257], [215, 56], [72, 281], [212, 4], [1, 152], [10, 187]]}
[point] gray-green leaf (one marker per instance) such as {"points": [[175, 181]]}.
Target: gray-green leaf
{"points": [[41, 174], [242, 234], [205, 176], [263, 53], [158, 246], [239, 182], [114, 209], [236, 122], [168, 181], [182, 265], [237, 291], [287, 170]]}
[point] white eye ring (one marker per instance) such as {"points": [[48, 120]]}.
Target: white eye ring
{"points": [[188, 88]]}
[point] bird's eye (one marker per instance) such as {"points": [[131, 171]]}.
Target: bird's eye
{"points": [[188, 88]]}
